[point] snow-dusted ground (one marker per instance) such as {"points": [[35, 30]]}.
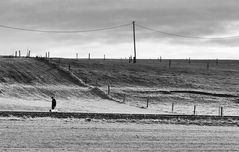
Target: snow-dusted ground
{"points": [[96, 104], [48, 134], [183, 102], [71, 98], [73, 105], [107, 106], [37, 81], [28, 84]]}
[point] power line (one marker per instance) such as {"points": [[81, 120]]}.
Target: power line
{"points": [[114, 27], [74, 31], [184, 36]]}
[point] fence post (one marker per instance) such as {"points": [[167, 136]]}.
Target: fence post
{"points": [[172, 107], [221, 111], [108, 89], [19, 53], [169, 63], [28, 53], [194, 110], [69, 66], [147, 102]]}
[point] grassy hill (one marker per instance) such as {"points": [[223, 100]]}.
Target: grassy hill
{"points": [[30, 71], [153, 73], [203, 81]]}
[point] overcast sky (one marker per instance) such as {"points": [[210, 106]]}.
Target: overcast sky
{"points": [[195, 18]]}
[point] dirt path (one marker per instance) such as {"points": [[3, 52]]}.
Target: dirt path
{"points": [[48, 134]]}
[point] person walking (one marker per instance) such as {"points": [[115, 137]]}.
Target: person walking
{"points": [[53, 104]]}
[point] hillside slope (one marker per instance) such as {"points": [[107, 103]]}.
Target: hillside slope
{"points": [[39, 77], [71, 80], [31, 71], [223, 76], [204, 83]]}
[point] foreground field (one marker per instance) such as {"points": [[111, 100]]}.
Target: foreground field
{"points": [[47, 134]]}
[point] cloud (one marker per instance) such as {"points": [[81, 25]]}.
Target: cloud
{"points": [[199, 18]]}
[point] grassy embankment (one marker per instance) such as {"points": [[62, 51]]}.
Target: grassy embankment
{"points": [[31, 78]]}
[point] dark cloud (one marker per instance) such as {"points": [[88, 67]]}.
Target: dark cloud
{"points": [[202, 18]]}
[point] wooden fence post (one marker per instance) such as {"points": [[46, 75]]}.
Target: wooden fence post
{"points": [[108, 89], [147, 103], [194, 110], [169, 63], [221, 111], [28, 53], [172, 107]]}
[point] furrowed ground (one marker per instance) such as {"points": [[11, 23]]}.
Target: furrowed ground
{"points": [[47, 134]]}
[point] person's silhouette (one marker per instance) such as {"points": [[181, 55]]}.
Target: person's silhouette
{"points": [[53, 103]]}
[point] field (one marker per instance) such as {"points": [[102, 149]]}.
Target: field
{"points": [[28, 83]]}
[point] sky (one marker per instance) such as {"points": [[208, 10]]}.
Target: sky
{"points": [[210, 22]]}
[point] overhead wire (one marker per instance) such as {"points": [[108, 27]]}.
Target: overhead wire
{"points": [[185, 36], [73, 31], [117, 26]]}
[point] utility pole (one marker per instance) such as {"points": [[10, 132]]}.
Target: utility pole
{"points": [[134, 42]]}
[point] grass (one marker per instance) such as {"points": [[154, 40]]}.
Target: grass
{"points": [[182, 83], [152, 73]]}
